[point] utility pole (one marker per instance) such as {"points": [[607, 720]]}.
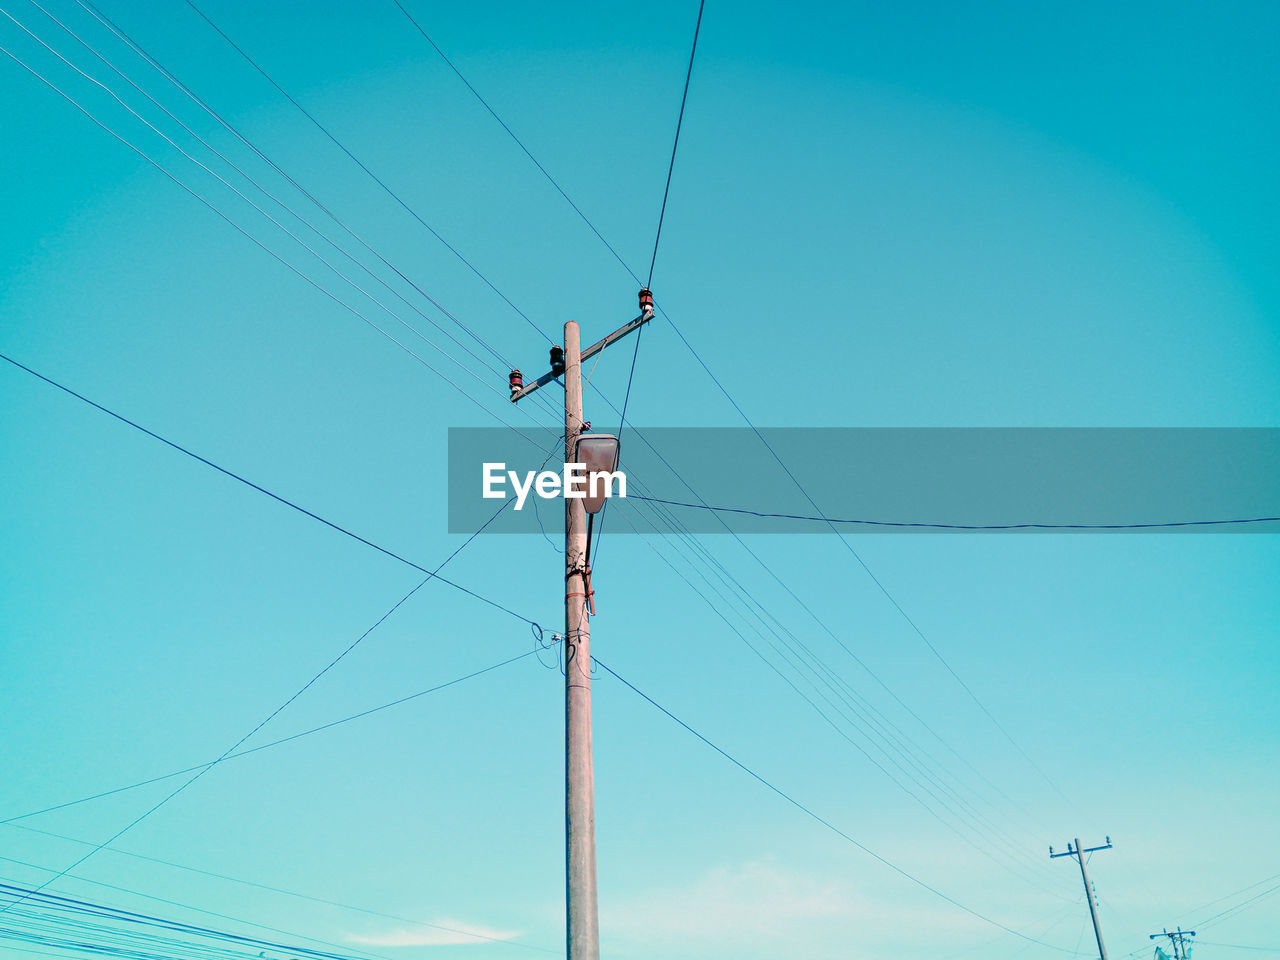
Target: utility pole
{"points": [[1179, 940], [1079, 854], [582, 924], [583, 932]]}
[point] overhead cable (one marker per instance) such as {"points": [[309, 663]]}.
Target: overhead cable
{"points": [[826, 823], [360, 163], [275, 743], [263, 490], [707, 369], [955, 526]]}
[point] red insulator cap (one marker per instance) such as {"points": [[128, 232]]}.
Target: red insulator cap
{"points": [[646, 298]]}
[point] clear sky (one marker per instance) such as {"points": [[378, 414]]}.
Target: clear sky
{"points": [[913, 214]]}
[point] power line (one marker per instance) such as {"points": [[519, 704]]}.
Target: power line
{"points": [[884, 590], [723, 572], [431, 574], [1234, 893], [277, 890], [665, 198], [869, 716], [889, 747], [559, 189], [672, 523], [486, 382], [1225, 914], [666, 190], [445, 928], [276, 743], [230, 128], [263, 490], [240, 229], [187, 906], [303, 689], [664, 204], [953, 526], [1238, 946], [812, 615], [88, 6], [358, 162], [862, 563], [622, 422], [76, 905], [1239, 907], [826, 823], [676, 143], [123, 37], [1017, 850], [511, 133], [867, 569], [1053, 921]]}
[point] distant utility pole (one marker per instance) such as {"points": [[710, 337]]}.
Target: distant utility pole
{"points": [[1179, 940], [582, 916], [1079, 854]]}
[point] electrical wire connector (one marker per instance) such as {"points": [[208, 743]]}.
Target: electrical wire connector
{"points": [[646, 303], [516, 380], [589, 595]]}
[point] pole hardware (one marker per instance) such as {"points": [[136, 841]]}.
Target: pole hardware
{"points": [[1179, 940], [1075, 850], [557, 371], [646, 302], [600, 453]]}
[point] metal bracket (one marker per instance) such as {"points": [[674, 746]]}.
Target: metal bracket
{"points": [[587, 354]]}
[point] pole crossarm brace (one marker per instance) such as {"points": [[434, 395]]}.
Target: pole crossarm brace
{"points": [[1173, 936], [1071, 851], [587, 354]]}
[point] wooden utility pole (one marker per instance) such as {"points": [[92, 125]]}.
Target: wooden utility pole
{"points": [[583, 932], [1079, 854], [1179, 940], [582, 935]]}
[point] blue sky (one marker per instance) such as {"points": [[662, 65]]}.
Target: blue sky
{"points": [[917, 216]]}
